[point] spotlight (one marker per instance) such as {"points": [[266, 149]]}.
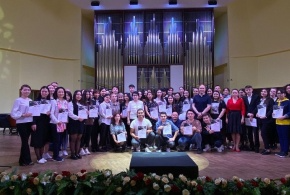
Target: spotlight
{"points": [[212, 2], [172, 2], [133, 2], [95, 3]]}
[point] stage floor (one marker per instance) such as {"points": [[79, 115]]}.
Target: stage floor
{"points": [[242, 164]]}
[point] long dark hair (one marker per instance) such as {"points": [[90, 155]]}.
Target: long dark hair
{"points": [[39, 97], [74, 100], [56, 90], [84, 97], [113, 121]]}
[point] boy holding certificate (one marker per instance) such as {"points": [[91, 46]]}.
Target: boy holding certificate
{"points": [[211, 135], [141, 132], [166, 133], [190, 130]]}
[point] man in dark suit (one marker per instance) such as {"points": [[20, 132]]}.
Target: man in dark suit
{"points": [[251, 101]]}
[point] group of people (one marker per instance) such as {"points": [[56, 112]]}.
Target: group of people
{"points": [[101, 120]]}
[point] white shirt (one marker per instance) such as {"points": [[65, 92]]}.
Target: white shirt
{"points": [[133, 107], [102, 111], [144, 124], [19, 108]]}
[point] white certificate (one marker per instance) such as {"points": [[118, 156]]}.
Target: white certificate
{"points": [[215, 126], [154, 112], [185, 107], [167, 130], [82, 112], [94, 111], [261, 110], [121, 137], [34, 108], [252, 123], [124, 113], [187, 130], [169, 111], [45, 106], [162, 107], [62, 117], [142, 133], [182, 116], [277, 111], [109, 112]]}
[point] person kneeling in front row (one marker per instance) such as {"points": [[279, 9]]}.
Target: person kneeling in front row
{"points": [[141, 132], [166, 133]]}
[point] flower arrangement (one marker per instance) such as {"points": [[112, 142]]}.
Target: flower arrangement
{"points": [[129, 182]]}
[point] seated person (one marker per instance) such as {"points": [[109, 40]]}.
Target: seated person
{"points": [[190, 131], [177, 122], [211, 138], [118, 132], [162, 138], [137, 128]]}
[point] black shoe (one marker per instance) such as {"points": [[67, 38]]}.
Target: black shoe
{"points": [[74, 157], [79, 156], [102, 150], [266, 152], [199, 151], [28, 164], [257, 150]]}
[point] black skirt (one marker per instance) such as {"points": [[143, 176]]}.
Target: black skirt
{"points": [[234, 121], [75, 127], [40, 137]]}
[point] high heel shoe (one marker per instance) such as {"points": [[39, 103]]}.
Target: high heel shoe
{"points": [[238, 150]]}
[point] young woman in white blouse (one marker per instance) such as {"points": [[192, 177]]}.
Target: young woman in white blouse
{"points": [[24, 120], [58, 119]]}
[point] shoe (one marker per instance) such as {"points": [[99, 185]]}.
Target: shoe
{"points": [[219, 149], [238, 150], [265, 152], [79, 156], [74, 157], [102, 150], [65, 153], [58, 159], [82, 152], [41, 161], [158, 150], [207, 148], [147, 149], [192, 147], [24, 164], [60, 154], [168, 150], [233, 149], [257, 150], [87, 151], [199, 151], [46, 156], [278, 153], [136, 149], [283, 155]]}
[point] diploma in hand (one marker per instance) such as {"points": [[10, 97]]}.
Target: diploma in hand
{"points": [[82, 112], [167, 130], [121, 137], [94, 111], [187, 130]]}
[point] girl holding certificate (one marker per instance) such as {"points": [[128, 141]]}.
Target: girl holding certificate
{"points": [[282, 122], [40, 129], [58, 120], [123, 110], [85, 141], [169, 106], [160, 100], [151, 110], [177, 103], [118, 132], [77, 125], [235, 118], [23, 119], [264, 116]]}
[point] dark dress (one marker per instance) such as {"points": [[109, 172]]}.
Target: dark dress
{"points": [[76, 126], [41, 136], [235, 111]]}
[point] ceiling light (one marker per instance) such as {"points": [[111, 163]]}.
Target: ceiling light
{"points": [[133, 2], [172, 2], [95, 3]]}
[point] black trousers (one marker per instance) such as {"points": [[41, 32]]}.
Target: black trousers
{"points": [[253, 136], [95, 133], [85, 142], [104, 135], [24, 130], [265, 133], [56, 137]]}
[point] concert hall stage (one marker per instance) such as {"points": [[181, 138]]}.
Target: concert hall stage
{"points": [[164, 162]]}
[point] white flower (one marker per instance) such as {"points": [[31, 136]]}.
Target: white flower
{"points": [[126, 180], [193, 183], [157, 177], [107, 173], [185, 192], [167, 188], [170, 176], [267, 181], [23, 176], [235, 178], [217, 181], [165, 180], [155, 186], [287, 176], [118, 189], [183, 178], [224, 182]]}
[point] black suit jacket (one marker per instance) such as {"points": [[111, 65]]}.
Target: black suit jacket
{"points": [[252, 106]]}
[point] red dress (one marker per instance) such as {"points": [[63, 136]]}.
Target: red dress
{"points": [[235, 111]]}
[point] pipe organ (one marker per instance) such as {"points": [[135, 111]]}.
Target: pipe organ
{"points": [[152, 41]]}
